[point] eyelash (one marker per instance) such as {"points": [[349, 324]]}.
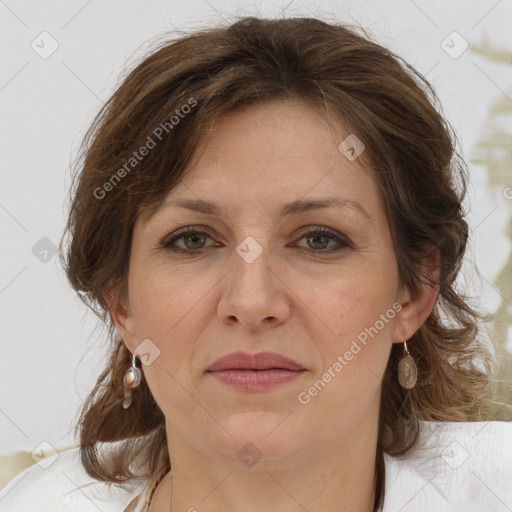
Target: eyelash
{"points": [[168, 241]]}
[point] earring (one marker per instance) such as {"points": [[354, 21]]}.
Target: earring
{"points": [[407, 371], [131, 380]]}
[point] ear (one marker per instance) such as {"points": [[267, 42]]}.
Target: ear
{"points": [[121, 314], [416, 309]]}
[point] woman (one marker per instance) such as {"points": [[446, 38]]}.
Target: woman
{"points": [[268, 217]]}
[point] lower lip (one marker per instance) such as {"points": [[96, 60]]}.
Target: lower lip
{"points": [[256, 380]]}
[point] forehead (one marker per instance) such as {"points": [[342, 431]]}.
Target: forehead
{"points": [[281, 130], [270, 152]]}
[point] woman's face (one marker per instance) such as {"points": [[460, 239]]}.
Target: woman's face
{"points": [[257, 278]]}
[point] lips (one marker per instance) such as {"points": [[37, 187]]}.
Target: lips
{"points": [[259, 372], [258, 361]]}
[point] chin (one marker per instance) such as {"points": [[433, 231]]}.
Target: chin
{"points": [[261, 438]]}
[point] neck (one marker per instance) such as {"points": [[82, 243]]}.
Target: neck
{"points": [[339, 478]]}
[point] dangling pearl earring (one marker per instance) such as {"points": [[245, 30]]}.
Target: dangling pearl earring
{"points": [[131, 380], [407, 371]]}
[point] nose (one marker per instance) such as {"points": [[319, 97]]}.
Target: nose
{"points": [[254, 294]]}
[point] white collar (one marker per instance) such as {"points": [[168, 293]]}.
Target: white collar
{"points": [[455, 467]]}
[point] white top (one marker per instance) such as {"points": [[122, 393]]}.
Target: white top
{"points": [[456, 467]]}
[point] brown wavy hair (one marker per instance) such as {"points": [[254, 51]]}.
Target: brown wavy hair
{"points": [[409, 145]]}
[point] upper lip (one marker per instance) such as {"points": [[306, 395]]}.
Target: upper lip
{"points": [[258, 361]]}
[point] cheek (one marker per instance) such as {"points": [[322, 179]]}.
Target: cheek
{"points": [[356, 302], [171, 318], [161, 302], [355, 353], [365, 309], [170, 314], [360, 317]]}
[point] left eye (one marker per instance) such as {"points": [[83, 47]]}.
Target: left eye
{"points": [[319, 239], [194, 241]]}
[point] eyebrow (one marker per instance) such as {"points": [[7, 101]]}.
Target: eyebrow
{"points": [[296, 207]]}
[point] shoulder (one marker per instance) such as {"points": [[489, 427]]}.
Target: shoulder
{"points": [[455, 466], [60, 483]]}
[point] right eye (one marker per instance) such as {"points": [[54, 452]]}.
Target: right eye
{"points": [[193, 240]]}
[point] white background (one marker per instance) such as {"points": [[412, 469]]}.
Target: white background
{"points": [[50, 355]]}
